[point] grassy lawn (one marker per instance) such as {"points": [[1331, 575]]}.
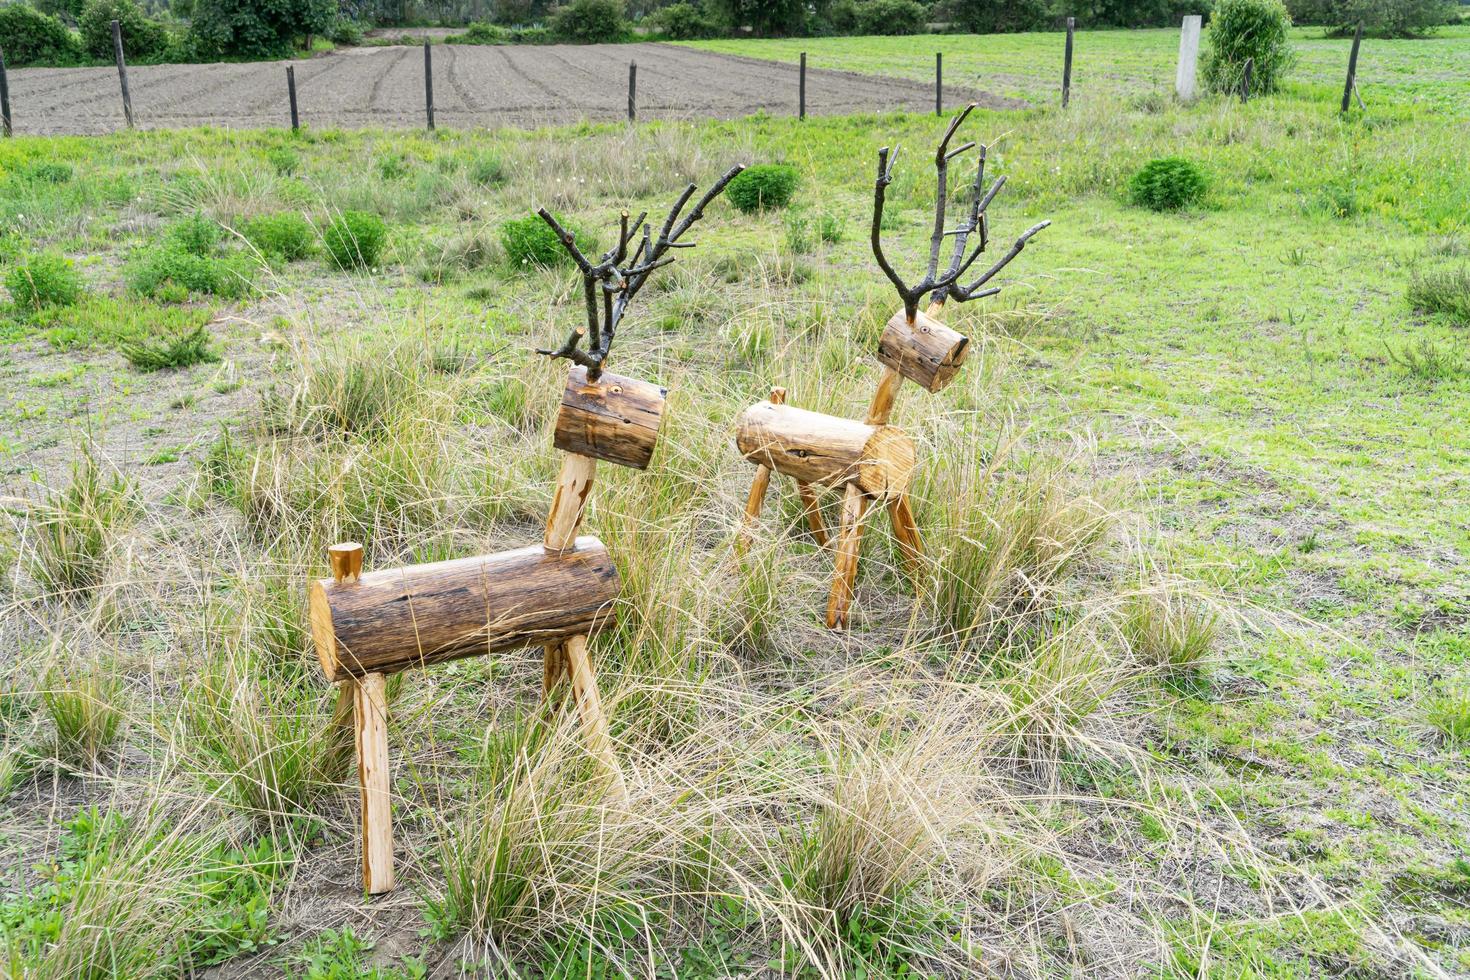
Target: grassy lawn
{"points": [[1185, 692]]}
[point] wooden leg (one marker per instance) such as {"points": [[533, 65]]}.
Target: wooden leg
{"points": [[753, 506], [371, 699], [812, 510], [589, 708], [854, 509], [555, 668], [573, 487], [910, 545]]}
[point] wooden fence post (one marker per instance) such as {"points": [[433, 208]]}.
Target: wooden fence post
{"points": [[1184, 75], [4, 95], [632, 91], [1245, 81], [429, 84], [1067, 64], [291, 92], [939, 83], [122, 72], [801, 90], [1352, 73]]}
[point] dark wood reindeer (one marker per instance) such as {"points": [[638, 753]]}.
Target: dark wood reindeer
{"points": [[554, 594], [872, 460]]}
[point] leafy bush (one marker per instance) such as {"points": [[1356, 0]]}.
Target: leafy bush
{"points": [[1000, 16], [41, 280], [29, 37], [143, 39], [767, 18], [891, 17], [762, 187], [345, 32], [1388, 18], [171, 272], [283, 160], [531, 35], [286, 236], [167, 353], [196, 234], [480, 33], [1168, 184], [1247, 29], [355, 239], [257, 28], [47, 173], [1446, 292], [590, 22], [682, 22], [530, 241]]}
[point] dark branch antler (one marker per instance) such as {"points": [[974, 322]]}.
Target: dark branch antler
{"points": [[946, 284], [618, 277]]}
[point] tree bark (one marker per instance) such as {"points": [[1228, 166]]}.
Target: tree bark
{"points": [[824, 450], [613, 418], [925, 351]]}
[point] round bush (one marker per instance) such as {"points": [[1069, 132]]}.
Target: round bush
{"points": [[355, 239], [590, 22], [763, 187], [530, 241], [1241, 29], [286, 236], [1167, 185], [29, 37], [196, 234], [43, 280], [143, 39], [891, 17], [682, 22]]}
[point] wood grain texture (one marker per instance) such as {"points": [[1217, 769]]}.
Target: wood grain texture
{"points": [[823, 450], [885, 396], [346, 561], [569, 503], [613, 418], [811, 509], [910, 544], [424, 614], [589, 710], [854, 508], [925, 351], [373, 780]]}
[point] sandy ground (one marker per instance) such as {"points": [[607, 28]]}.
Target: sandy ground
{"points": [[522, 86]]}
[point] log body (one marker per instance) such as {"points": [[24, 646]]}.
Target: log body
{"points": [[423, 614], [825, 450], [613, 418], [926, 351]]}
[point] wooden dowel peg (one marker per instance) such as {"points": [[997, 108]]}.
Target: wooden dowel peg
{"points": [[854, 509], [122, 72], [291, 93], [346, 562], [573, 489], [373, 779], [589, 710]]}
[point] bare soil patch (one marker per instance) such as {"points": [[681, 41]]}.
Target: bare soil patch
{"points": [[523, 86]]}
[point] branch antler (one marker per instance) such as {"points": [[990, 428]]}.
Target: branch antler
{"points": [[618, 276], [946, 284]]}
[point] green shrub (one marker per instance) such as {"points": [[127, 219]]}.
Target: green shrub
{"points": [[1388, 18], [487, 171], [29, 37], [345, 32], [762, 187], [531, 35], [1247, 29], [196, 234], [41, 280], [257, 28], [480, 33], [171, 273], [143, 39], [355, 239], [286, 236], [767, 18], [1446, 292], [167, 353], [1000, 16], [530, 241], [590, 22], [283, 160], [682, 22], [47, 173], [1168, 184], [891, 17]]}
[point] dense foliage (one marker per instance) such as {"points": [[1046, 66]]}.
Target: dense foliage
{"points": [[29, 37], [891, 17], [530, 241], [1169, 184], [762, 187], [590, 22], [258, 28], [767, 18], [355, 239], [47, 279], [143, 39], [1389, 18], [682, 21], [1247, 29]]}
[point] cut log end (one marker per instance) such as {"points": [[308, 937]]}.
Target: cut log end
{"points": [[924, 351], [613, 418]]}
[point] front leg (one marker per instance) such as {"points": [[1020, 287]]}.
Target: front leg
{"points": [[854, 508]]}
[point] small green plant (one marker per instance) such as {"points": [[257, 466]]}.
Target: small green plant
{"points": [[284, 160], [47, 279], [1448, 713], [167, 353], [1167, 184], [765, 186], [1247, 30], [1169, 630], [286, 236], [1428, 361], [355, 240], [1446, 292], [530, 241], [48, 173], [171, 273], [86, 714], [487, 170], [197, 234], [73, 530]]}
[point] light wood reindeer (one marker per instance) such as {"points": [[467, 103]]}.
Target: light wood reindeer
{"points": [[368, 625], [872, 460]]}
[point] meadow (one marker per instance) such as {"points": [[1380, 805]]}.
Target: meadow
{"points": [[1183, 691]]}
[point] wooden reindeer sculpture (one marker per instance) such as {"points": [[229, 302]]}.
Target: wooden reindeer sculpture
{"points": [[873, 460], [554, 594]]}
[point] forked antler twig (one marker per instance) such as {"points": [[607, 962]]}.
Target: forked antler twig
{"points": [[946, 284], [618, 277]]}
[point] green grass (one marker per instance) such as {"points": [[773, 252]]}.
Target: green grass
{"points": [[1186, 675]]}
